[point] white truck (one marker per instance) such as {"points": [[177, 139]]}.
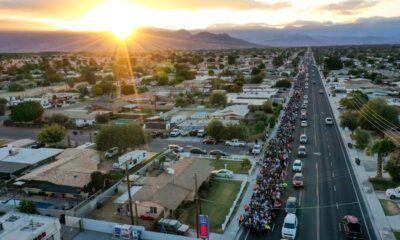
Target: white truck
{"points": [[393, 193], [133, 158], [235, 143]]}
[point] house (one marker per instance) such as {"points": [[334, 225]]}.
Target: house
{"points": [[252, 97], [234, 112], [79, 117], [44, 102], [161, 195], [64, 177]]}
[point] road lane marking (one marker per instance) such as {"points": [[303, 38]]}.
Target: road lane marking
{"points": [[334, 188], [333, 174], [317, 153], [318, 228], [329, 153], [300, 195], [331, 164], [337, 205]]}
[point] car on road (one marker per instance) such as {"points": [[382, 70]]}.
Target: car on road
{"points": [[257, 148], [321, 91], [111, 152], [303, 138], [301, 151], [175, 148], [172, 226], [225, 173], [297, 166], [174, 133], [298, 180], [196, 150], [291, 205], [328, 121], [351, 227], [235, 143], [303, 106], [303, 111], [305, 101], [217, 152], [306, 87], [209, 141], [393, 193], [314, 82], [305, 96], [289, 228], [303, 123]]}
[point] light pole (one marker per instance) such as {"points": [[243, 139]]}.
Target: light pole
{"points": [[129, 190], [136, 212]]}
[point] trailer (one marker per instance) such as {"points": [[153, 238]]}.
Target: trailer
{"points": [[132, 159]]}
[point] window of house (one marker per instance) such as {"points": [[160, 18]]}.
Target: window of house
{"points": [[153, 210]]}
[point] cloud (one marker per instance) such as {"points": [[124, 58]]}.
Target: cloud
{"points": [[348, 7]]}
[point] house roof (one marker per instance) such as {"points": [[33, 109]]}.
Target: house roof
{"points": [[239, 110], [27, 155], [181, 184], [72, 168]]}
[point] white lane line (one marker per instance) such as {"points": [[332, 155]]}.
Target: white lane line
{"points": [[247, 235], [329, 154], [317, 153], [331, 164], [317, 192], [334, 188], [337, 205], [333, 174]]}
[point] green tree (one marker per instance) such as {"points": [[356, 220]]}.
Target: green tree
{"points": [[382, 147], [27, 112], [272, 121], [333, 63], [267, 107], [216, 129], [127, 89], [27, 206], [15, 87], [88, 76], [393, 165], [103, 118], [180, 101], [3, 106], [121, 136], [59, 118], [52, 134], [71, 83], [349, 119], [283, 84], [378, 115], [362, 138], [245, 164], [239, 131], [261, 117], [218, 99], [354, 100], [277, 61]]}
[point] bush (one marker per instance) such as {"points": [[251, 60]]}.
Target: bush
{"points": [[245, 164], [283, 84], [272, 121], [27, 206], [27, 112], [59, 118], [362, 138], [15, 87], [103, 118]]}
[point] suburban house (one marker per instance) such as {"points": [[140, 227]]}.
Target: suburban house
{"points": [[234, 112], [153, 196], [65, 177], [78, 117]]}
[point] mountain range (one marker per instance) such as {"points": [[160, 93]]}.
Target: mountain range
{"points": [[223, 36]]}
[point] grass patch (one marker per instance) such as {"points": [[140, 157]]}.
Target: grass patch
{"points": [[389, 207], [215, 204], [238, 202], [397, 235], [382, 184], [234, 166]]}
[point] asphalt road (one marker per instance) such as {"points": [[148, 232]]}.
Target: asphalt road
{"points": [[330, 188]]}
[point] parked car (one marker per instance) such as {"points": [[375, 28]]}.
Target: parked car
{"points": [[303, 138], [225, 173], [289, 228], [209, 141], [201, 133], [297, 166], [351, 227], [298, 180], [305, 101], [38, 145], [175, 148], [303, 123], [301, 151], [172, 226], [291, 205], [155, 134], [257, 148], [393, 193], [111, 152], [321, 91], [328, 121], [198, 151], [174, 133], [217, 152], [235, 143], [193, 133]]}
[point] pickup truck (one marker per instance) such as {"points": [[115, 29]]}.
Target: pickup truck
{"points": [[393, 193], [235, 143]]}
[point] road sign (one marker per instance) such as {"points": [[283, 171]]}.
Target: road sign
{"points": [[203, 227]]}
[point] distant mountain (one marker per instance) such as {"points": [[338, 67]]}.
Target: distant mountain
{"points": [[303, 33], [145, 39]]}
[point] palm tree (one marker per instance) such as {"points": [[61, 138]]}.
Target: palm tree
{"points": [[382, 147]]}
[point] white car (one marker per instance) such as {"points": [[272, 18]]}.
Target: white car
{"points": [[303, 139], [289, 228], [393, 193], [303, 105], [297, 166], [174, 133], [328, 121], [303, 123], [256, 149], [305, 101], [306, 87], [305, 97], [225, 173]]}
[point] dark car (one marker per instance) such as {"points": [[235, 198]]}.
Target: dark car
{"points": [[351, 227], [217, 152], [37, 145], [193, 133], [198, 151], [155, 134], [209, 141]]}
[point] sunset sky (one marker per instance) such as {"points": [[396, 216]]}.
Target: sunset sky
{"points": [[122, 16]]}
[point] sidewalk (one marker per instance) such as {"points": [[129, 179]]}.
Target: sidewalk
{"points": [[383, 225]]}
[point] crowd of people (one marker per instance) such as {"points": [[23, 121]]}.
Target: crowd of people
{"points": [[267, 192]]}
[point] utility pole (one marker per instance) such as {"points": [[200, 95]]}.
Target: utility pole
{"points": [[129, 191], [197, 205]]}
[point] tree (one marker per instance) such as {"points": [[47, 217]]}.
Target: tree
{"points": [[71, 83], [239, 131], [127, 89], [103, 118], [378, 115], [218, 99], [28, 111], [52, 134], [272, 121], [333, 63], [393, 166], [267, 107], [283, 84], [121, 136], [277, 61], [349, 119], [88, 76], [180, 101], [27, 206], [382, 147], [354, 100], [216, 129], [261, 117], [59, 118], [362, 138], [3, 106], [15, 87]]}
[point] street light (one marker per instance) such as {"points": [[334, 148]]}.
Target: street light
{"points": [[136, 212], [129, 190]]}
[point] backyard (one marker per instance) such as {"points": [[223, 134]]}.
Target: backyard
{"points": [[215, 204]]}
